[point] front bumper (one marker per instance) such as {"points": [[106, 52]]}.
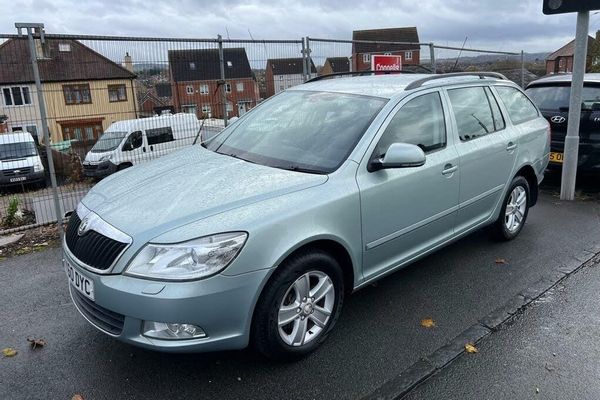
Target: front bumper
{"points": [[31, 177], [221, 305], [99, 170]]}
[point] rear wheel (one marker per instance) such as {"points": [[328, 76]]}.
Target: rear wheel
{"points": [[514, 210], [299, 306]]}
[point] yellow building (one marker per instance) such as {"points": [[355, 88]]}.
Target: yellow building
{"points": [[84, 91]]}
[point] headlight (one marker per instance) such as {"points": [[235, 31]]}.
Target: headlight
{"points": [[105, 158], [198, 258], [38, 167]]}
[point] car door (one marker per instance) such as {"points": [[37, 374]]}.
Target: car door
{"points": [[131, 150], [487, 147], [407, 211], [159, 141]]}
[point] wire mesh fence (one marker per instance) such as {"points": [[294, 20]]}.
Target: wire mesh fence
{"points": [[103, 104]]}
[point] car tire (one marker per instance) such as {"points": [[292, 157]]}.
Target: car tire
{"points": [[311, 319], [123, 166], [509, 224]]}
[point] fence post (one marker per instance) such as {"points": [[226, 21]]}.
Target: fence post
{"points": [[522, 69], [308, 64], [29, 27], [432, 57], [304, 76], [223, 83]]}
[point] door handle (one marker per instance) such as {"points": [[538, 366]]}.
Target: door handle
{"points": [[511, 146], [449, 169], [151, 148], [144, 149]]}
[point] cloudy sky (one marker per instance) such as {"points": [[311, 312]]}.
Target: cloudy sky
{"points": [[502, 25]]}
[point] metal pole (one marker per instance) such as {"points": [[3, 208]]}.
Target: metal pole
{"points": [[432, 57], [522, 69], [223, 83], [308, 63], [42, 105], [304, 76], [569, 169]]}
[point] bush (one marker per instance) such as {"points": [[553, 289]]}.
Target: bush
{"points": [[11, 212]]}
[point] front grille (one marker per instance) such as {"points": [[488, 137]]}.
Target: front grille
{"points": [[92, 248], [90, 167], [18, 171], [108, 321]]}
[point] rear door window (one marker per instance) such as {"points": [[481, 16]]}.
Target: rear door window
{"points": [[159, 135], [520, 108], [474, 114]]}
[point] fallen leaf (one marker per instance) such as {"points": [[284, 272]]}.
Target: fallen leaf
{"points": [[9, 352], [428, 323], [501, 261], [549, 367], [35, 343], [537, 390], [77, 397], [470, 348]]}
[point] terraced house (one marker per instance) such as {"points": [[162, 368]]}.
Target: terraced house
{"points": [[84, 91]]}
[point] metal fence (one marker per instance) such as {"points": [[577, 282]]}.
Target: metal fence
{"points": [[75, 109]]}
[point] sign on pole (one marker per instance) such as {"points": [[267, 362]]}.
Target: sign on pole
{"points": [[386, 63], [571, 148]]}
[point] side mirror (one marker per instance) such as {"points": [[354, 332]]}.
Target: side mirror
{"points": [[399, 155]]}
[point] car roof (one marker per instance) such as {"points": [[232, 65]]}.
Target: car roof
{"points": [[15, 137], [385, 86], [565, 78], [154, 122]]}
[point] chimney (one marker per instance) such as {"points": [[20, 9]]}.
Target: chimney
{"points": [[128, 62], [41, 45]]}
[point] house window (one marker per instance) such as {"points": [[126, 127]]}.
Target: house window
{"points": [[366, 58], [206, 110], [64, 47], [408, 55], [159, 135], [203, 89], [192, 65], [16, 96], [239, 86], [229, 64], [228, 88], [229, 107], [189, 89], [117, 93], [189, 109], [77, 94]]}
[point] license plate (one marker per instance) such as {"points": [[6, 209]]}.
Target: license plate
{"points": [[80, 282], [557, 157], [18, 179]]}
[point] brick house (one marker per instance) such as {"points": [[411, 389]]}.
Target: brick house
{"points": [[361, 52], [335, 65], [561, 61], [283, 73], [84, 91], [156, 100], [195, 76]]}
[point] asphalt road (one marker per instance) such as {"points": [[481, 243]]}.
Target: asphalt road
{"points": [[377, 336], [549, 352]]}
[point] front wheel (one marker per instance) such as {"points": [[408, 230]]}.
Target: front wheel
{"points": [[299, 306], [514, 210]]}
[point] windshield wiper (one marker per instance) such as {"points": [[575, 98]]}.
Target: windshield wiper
{"points": [[296, 168]]}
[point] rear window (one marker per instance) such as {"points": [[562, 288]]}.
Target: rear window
{"points": [[520, 109], [556, 98]]}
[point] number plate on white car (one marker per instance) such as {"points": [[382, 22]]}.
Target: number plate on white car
{"points": [[80, 282], [18, 179]]}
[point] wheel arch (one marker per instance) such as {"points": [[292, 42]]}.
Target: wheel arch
{"points": [[528, 173]]}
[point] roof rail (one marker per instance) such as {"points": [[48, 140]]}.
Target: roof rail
{"points": [[482, 75], [356, 73]]}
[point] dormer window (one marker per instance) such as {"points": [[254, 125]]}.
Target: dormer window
{"points": [[192, 65], [64, 47], [229, 64]]}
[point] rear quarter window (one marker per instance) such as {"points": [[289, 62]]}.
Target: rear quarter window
{"points": [[520, 108]]}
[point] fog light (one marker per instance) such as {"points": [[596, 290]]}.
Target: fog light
{"points": [[172, 331]]}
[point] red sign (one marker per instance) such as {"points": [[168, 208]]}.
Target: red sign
{"points": [[386, 63]]}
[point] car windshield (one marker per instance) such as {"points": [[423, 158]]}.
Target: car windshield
{"points": [[557, 97], [11, 151], [301, 130], [110, 140]]}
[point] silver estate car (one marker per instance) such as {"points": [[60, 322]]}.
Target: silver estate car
{"points": [[256, 236]]}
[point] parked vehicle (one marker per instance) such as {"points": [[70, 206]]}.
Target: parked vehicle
{"points": [[317, 192], [20, 162], [552, 94], [130, 142]]}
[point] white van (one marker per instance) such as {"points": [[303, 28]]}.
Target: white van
{"points": [[20, 162], [130, 142]]}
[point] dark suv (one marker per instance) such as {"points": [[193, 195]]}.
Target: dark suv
{"points": [[551, 94]]}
